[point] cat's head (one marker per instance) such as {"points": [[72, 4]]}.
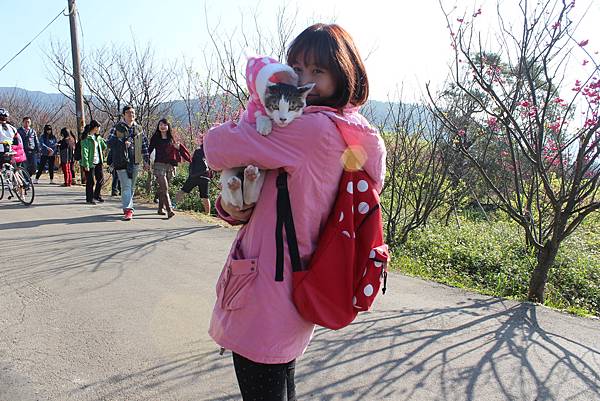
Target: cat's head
{"points": [[284, 102]]}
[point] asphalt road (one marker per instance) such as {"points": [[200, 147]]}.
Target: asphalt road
{"points": [[94, 308]]}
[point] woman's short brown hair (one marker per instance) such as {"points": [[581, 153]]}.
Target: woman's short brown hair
{"points": [[331, 47]]}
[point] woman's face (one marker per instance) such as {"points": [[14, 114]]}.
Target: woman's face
{"points": [[321, 77], [95, 130], [162, 127]]}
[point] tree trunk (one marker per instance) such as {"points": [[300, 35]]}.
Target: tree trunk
{"points": [[539, 277]]}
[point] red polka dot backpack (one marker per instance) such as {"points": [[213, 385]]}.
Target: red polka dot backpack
{"points": [[350, 262]]}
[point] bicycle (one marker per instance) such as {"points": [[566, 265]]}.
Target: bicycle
{"points": [[16, 180]]}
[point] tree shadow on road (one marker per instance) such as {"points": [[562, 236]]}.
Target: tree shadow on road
{"points": [[192, 376], [90, 252], [477, 350], [468, 352]]}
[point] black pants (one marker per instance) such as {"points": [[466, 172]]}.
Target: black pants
{"points": [[46, 159], [92, 193], [265, 382], [116, 185], [30, 164]]}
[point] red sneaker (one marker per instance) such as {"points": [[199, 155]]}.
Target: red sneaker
{"points": [[128, 214]]}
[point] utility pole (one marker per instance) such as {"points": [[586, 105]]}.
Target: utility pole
{"points": [[76, 72], [76, 66]]}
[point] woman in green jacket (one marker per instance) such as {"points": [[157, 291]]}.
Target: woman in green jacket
{"points": [[92, 158]]}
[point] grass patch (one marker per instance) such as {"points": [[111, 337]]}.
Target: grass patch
{"points": [[491, 258]]}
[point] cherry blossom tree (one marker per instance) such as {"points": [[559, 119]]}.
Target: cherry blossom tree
{"points": [[534, 87]]}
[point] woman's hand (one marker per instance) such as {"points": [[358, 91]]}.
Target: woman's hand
{"points": [[242, 214]]}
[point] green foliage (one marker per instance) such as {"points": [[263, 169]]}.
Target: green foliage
{"points": [[492, 258]]}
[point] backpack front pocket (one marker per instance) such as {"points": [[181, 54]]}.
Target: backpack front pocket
{"points": [[236, 283]]}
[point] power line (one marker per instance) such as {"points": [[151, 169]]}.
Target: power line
{"points": [[31, 41]]}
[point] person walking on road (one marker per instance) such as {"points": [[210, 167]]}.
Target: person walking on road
{"points": [[92, 159], [65, 148], [198, 176], [31, 145], [166, 148], [129, 147], [48, 146]]}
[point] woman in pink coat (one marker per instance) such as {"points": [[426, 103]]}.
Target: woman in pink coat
{"points": [[254, 315]]}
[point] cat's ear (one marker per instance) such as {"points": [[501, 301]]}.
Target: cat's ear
{"points": [[305, 90], [270, 85]]}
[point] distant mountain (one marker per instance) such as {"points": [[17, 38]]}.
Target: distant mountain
{"points": [[376, 111], [35, 96]]}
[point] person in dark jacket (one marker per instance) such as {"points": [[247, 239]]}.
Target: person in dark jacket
{"points": [[48, 146], [133, 139], [65, 148], [31, 144], [199, 176]]}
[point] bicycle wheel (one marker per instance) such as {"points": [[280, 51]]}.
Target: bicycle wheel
{"points": [[1, 185], [23, 186]]}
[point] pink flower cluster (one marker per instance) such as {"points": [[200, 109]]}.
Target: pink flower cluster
{"points": [[493, 123], [555, 126], [550, 153]]}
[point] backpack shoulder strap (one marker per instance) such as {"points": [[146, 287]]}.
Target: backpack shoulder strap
{"points": [[285, 218]]}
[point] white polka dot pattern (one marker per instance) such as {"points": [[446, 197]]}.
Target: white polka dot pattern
{"points": [[363, 207], [368, 291], [350, 187], [362, 186]]}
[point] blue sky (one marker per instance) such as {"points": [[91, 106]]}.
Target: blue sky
{"points": [[406, 42]]}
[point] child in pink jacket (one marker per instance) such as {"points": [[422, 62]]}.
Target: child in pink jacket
{"points": [[254, 315]]}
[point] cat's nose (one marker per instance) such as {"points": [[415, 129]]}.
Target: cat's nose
{"points": [[283, 119]]}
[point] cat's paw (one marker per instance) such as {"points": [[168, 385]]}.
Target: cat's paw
{"points": [[251, 173], [234, 184], [263, 125]]}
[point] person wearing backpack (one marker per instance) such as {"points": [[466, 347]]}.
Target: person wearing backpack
{"points": [[198, 176], [129, 151], [255, 316]]}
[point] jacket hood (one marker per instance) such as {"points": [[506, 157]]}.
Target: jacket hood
{"points": [[365, 147], [259, 72]]}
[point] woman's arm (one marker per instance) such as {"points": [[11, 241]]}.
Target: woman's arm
{"points": [[232, 145]]}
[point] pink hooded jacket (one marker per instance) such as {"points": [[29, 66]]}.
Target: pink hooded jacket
{"points": [[254, 315], [20, 156], [259, 72]]}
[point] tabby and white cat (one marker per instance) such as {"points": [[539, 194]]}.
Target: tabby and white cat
{"points": [[283, 103]]}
